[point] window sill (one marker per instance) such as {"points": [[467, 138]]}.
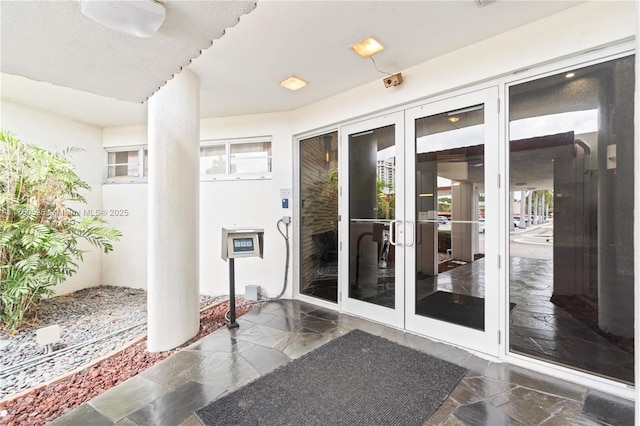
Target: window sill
{"points": [[230, 178], [124, 181]]}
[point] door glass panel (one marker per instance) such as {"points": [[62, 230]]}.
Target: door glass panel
{"points": [[571, 284], [319, 217], [372, 172], [450, 217]]}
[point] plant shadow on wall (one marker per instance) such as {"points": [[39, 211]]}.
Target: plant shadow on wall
{"points": [[39, 232]]}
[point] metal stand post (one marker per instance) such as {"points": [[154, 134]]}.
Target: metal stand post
{"points": [[232, 296]]}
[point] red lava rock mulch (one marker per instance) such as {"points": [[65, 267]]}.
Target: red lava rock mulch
{"points": [[49, 401]]}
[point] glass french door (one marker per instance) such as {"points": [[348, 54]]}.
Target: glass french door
{"points": [[372, 219], [451, 173], [420, 220]]}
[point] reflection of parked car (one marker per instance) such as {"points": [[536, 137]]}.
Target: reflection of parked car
{"points": [[442, 219], [516, 221], [481, 225]]}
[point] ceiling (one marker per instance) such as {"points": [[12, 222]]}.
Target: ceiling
{"points": [[55, 59]]}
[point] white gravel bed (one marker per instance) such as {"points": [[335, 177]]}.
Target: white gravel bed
{"points": [[90, 322]]}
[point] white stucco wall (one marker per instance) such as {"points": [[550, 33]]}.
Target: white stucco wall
{"points": [[55, 133], [253, 203], [257, 203], [127, 264]]}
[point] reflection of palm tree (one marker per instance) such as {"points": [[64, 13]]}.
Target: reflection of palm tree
{"points": [[537, 195], [217, 166], [386, 201], [444, 204]]}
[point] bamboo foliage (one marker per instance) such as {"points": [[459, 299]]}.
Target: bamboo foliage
{"points": [[39, 232]]}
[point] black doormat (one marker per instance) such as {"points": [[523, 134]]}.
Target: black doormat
{"points": [[356, 379], [460, 309]]}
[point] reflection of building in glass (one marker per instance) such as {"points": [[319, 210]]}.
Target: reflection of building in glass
{"points": [[387, 173]]}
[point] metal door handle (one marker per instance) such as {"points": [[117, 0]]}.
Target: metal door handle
{"points": [[413, 233], [392, 228]]}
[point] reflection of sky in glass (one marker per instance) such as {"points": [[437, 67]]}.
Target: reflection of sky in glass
{"points": [[443, 182], [387, 153], [577, 121], [455, 138]]}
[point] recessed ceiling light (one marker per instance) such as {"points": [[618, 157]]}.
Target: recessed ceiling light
{"points": [[571, 74], [454, 119], [293, 83], [368, 47]]}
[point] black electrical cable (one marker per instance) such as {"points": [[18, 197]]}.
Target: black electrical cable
{"points": [[285, 235]]}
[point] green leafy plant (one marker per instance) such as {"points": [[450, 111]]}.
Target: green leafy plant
{"points": [[39, 231], [386, 196]]}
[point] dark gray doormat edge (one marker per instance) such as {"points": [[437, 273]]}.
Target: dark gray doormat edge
{"points": [[355, 379]]}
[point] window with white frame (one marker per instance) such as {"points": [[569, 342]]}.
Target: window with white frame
{"points": [[127, 164], [235, 159]]}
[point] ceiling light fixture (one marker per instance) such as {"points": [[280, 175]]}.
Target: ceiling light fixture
{"points": [[454, 119], [367, 47], [569, 75], [293, 83], [140, 18]]}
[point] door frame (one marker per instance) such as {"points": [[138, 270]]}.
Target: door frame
{"points": [[392, 317], [486, 341]]}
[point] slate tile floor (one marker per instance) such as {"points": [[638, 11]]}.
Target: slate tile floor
{"points": [[537, 327], [274, 333]]}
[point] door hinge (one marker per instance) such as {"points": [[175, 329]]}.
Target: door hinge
{"points": [[339, 217], [499, 262], [341, 191], [340, 245], [498, 180], [499, 337], [498, 105]]}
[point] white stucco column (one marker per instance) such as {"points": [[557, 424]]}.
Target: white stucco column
{"points": [[173, 288], [530, 210], [523, 214]]}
